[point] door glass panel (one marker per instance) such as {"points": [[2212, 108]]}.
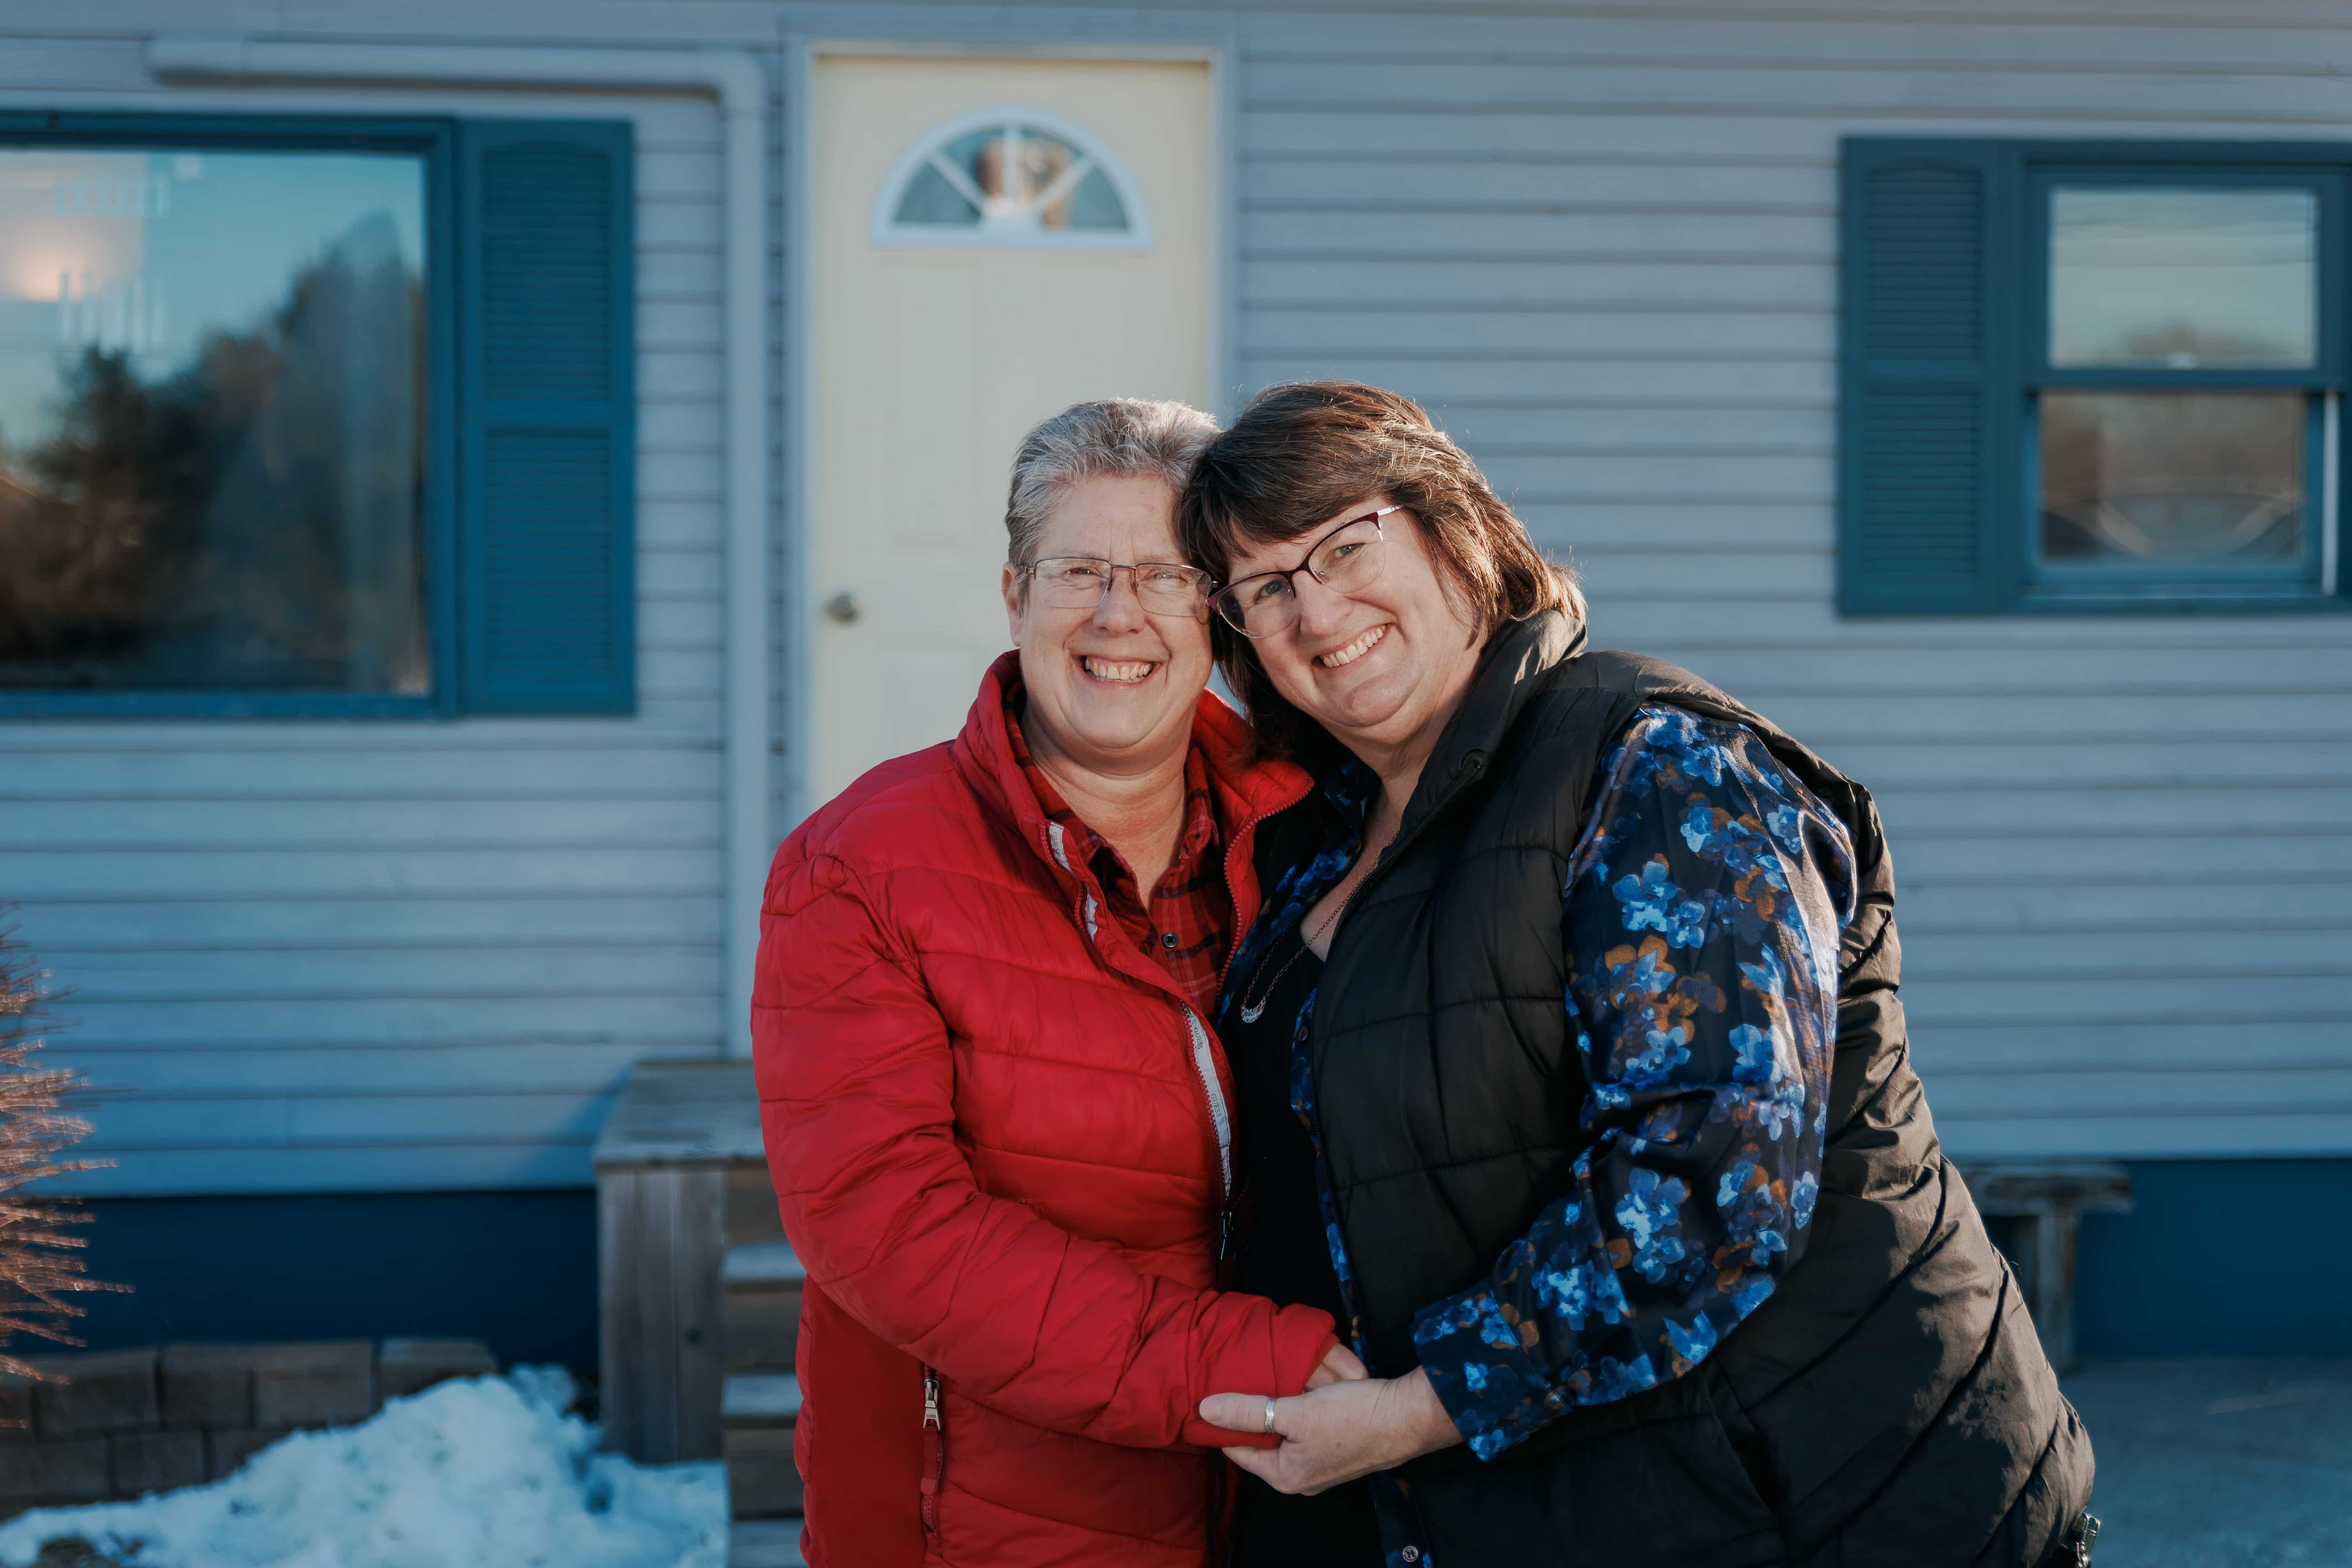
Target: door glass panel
{"points": [[1013, 166], [2173, 478], [211, 402], [930, 199], [1014, 181], [2184, 279], [1095, 204]]}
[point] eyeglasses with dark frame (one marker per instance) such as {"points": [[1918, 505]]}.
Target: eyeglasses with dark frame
{"points": [[1343, 559], [1166, 588]]}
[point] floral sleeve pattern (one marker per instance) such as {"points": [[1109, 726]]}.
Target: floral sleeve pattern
{"points": [[1702, 917]]}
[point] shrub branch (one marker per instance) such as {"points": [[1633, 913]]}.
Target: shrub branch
{"points": [[40, 1258]]}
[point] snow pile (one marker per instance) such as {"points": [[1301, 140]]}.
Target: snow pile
{"points": [[470, 1474]]}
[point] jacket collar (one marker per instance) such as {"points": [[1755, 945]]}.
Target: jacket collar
{"points": [[1246, 787], [1509, 675]]}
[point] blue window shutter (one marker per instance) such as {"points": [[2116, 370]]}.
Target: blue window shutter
{"points": [[1928, 383], [547, 539]]}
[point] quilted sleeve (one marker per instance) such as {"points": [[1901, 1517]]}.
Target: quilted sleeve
{"points": [[855, 1083], [1702, 921]]}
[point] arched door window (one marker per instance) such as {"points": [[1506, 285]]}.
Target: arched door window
{"points": [[1010, 176]]}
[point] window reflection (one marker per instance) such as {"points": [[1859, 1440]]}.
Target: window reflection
{"points": [[1011, 177], [2173, 477], [2183, 278], [1014, 167], [211, 395]]}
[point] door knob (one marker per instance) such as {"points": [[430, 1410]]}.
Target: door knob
{"points": [[844, 607]]}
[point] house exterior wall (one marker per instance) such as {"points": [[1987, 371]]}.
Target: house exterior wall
{"points": [[1601, 245], [323, 956], [1603, 249]]}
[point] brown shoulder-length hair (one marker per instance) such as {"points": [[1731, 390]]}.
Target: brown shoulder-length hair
{"points": [[1301, 452]]}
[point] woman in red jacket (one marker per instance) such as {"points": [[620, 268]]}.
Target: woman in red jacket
{"points": [[998, 1124]]}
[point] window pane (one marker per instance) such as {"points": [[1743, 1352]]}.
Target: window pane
{"points": [[2183, 278], [929, 199], [1010, 164], [2173, 478], [1043, 159], [211, 393], [1016, 183], [1095, 204]]}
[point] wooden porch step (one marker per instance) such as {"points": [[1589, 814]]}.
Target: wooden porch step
{"points": [[759, 1410], [761, 1264], [700, 1291], [760, 1286], [761, 1399], [679, 1143]]}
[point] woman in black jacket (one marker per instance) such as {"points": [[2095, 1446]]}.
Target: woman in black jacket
{"points": [[1573, 1078]]}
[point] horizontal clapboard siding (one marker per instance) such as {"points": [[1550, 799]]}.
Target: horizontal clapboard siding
{"points": [[374, 957], [1604, 250]]}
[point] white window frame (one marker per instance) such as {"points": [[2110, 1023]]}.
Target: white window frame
{"points": [[1094, 154]]}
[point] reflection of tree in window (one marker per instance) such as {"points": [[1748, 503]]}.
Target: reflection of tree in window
{"points": [[249, 519]]}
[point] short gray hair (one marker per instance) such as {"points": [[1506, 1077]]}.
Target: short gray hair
{"points": [[1118, 438]]}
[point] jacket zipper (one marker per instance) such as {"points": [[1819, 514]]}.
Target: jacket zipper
{"points": [[1205, 1055], [935, 1454], [1204, 1063]]}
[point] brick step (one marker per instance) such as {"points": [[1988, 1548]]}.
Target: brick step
{"points": [[760, 1286], [765, 1543], [758, 1410]]}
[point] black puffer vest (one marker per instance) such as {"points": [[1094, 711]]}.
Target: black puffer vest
{"points": [[1889, 1404]]}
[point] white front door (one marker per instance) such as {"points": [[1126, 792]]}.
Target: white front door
{"points": [[992, 240]]}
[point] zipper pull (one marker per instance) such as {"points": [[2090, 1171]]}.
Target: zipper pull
{"points": [[931, 1398], [1225, 1234]]}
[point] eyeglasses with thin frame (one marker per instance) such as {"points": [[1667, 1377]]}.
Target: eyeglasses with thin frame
{"points": [[1081, 582], [1344, 559]]}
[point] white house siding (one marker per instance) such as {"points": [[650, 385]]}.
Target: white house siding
{"points": [[1601, 243], [320, 955], [1602, 248]]}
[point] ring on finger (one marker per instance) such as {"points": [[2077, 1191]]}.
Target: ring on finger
{"points": [[1269, 1417]]}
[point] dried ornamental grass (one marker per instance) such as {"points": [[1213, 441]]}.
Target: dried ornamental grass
{"points": [[40, 1261]]}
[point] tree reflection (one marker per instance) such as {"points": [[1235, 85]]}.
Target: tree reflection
{"points": [[251, 519]]}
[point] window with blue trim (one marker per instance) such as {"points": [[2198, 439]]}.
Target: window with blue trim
{"points": [[2083, 377], [304, 416]]}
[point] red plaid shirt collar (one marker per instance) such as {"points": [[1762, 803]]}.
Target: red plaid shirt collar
{"points": [[1191, 904]]}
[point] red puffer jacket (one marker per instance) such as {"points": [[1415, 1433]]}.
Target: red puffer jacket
{"points": [[1002, 1144]]}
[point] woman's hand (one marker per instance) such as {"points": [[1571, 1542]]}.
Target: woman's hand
{"points": [[1340, 1366], [1337, 1431]]}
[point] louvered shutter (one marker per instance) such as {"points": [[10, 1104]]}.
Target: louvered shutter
{"points": [[1927, 385], [546, 538]]}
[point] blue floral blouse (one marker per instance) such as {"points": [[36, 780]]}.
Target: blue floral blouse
{"points": [[1704, 908], [1702, 914]]}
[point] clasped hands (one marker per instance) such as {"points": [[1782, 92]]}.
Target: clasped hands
{"points": [[1348, 1424]]}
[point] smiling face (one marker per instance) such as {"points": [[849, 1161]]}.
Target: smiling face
{"points": [[1111, 689], [1382, 667]]}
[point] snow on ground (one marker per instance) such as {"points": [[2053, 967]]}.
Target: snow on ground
{"points": [[471, 1474]]}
